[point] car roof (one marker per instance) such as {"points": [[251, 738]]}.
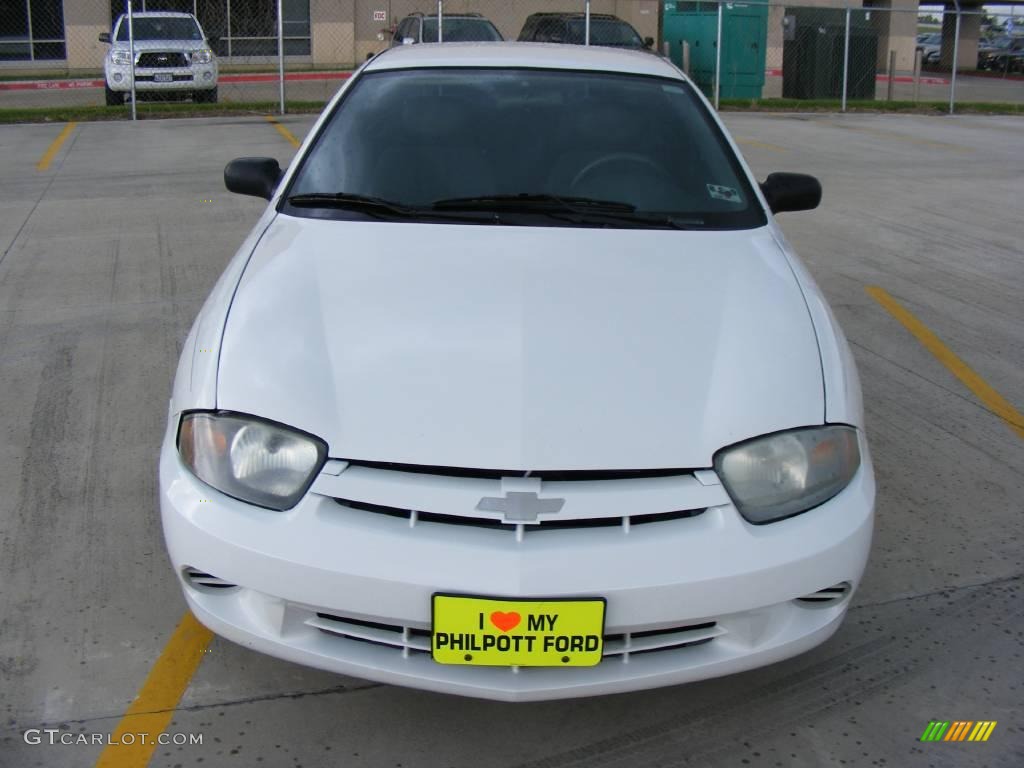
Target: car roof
{"points": [[421, 14], [574, 15], [158, 15], [523, 55]]}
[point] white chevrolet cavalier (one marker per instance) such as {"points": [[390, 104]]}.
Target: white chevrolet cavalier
{"points": [[517, 391]]}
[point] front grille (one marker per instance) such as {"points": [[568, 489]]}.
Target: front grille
{"points": [[162, 59], [410, 640], [415, 517]]}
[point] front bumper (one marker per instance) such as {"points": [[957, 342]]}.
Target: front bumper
{"points": [[199, 77], [329, 587]]}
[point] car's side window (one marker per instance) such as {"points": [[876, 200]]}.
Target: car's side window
{"points": [[399, 32]]}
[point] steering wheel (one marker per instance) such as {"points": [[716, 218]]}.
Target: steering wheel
{"points": [[620, 157]]}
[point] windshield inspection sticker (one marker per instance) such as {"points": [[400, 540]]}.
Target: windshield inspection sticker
{"points": [[718, 192]]}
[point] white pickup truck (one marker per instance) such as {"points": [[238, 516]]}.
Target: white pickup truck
{"points": [[172, 56]]}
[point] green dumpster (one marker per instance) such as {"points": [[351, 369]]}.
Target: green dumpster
{"points": [[744, 34]]}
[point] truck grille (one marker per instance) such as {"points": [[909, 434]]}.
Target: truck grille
{"points": [[162, 59]]}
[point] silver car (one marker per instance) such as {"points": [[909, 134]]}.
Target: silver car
{"points": [[172, 56]]}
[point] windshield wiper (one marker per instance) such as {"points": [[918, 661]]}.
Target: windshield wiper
{"points": [[375, 206], [526, 201], [576, 210]]}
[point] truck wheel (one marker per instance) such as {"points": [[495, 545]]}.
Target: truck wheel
{"points": [[114, 98]]}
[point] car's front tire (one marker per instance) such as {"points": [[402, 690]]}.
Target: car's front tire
{"points": [[114, 98], [206, 97]]}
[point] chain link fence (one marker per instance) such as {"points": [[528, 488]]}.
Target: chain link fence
{"points": [[62, 53]]}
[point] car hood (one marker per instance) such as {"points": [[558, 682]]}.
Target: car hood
{"points": [[164, 45], [520, 347]]}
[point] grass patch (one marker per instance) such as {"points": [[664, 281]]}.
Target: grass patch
{"points": [[902, 107], [154, 110]]}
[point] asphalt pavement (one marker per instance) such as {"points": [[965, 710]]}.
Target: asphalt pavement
{"points": [[110, 242]]}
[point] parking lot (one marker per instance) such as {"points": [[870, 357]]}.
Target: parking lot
{"points": [[111, 236]]}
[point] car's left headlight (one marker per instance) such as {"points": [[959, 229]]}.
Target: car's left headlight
{"points": [[205, 56], [253, 460], [777, 476]]}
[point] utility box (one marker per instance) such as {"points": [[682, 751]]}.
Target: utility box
{"points": [[812, 54], [744, 34]]}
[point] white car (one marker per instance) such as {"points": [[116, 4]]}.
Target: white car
{"points": [[172, 56], [517, 391]]}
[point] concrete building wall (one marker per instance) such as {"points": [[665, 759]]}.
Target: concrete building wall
{"points": [[83, 22], [896, 24], [333, 32], [967, 51]]}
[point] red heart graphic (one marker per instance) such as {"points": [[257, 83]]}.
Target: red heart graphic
{"points": [[505, 621]]}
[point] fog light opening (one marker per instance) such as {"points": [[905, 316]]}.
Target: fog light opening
{"points": [[827, 596], [205, 582]]}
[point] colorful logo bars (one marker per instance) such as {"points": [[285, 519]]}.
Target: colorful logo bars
{"points": [[958, 730]]}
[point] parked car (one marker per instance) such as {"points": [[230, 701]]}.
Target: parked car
{"points": [[1004, 54], [516, 380], [462, 28], [172, 57], [605, 30], [930, 46]]}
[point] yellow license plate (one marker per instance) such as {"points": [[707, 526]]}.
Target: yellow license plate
{"points": [[525, 633]]}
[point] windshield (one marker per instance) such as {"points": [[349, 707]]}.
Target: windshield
{"points": [[604, 32], [415, 138], [159, 28], [461, 31]]}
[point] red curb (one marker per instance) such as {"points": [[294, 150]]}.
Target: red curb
{"points": [[64, 85]]}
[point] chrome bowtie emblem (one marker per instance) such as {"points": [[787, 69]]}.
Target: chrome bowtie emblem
{"points": [[519, 507]]}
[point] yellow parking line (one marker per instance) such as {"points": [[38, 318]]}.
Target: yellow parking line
{"points": [[884, 134], [153, 708], [761, 144], [284, 131], [984, 392], [54, 148]]}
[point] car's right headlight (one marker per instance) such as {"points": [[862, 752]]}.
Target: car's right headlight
{"points": [[118, 56], [253, 460], [777, 476]]}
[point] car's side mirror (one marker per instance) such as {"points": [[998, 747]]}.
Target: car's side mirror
{"points": [[408, 40], [791, 192], [104, 37], [256, 176], [648, 42]]}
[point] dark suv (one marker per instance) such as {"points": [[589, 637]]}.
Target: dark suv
{"points": [[1005, 54], [605, 29], [461, 28]]}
